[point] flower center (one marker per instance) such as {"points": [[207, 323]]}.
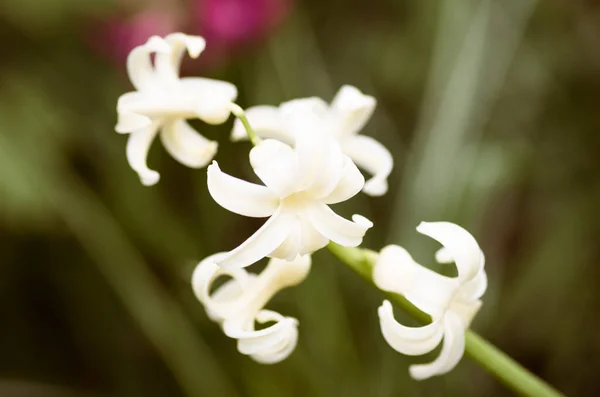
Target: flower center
{"points": [[297, 201]]}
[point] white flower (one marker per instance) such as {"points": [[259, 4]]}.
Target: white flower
{"points": [[163, 101], [343, 119], [300, 183], [238, 304], [452, 302]]}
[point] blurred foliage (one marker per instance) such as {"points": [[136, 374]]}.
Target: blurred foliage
{"points": [[490, 109]]}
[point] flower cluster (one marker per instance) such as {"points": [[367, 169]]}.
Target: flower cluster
{"points": [[452, 302], [238, 305], [306, 153]]}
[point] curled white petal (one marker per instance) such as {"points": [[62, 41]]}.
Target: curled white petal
{"points": [[270, 345], [186, 145], [396, 271], [452, 351], [353, 109], [138, 145], [238, 304], [139, 64], [372, 156], [411, 341], [336, 228], [266, 121], [167, 63], [226, 300], [262, 243], [350, 183], [239, 196], [459, 244]]}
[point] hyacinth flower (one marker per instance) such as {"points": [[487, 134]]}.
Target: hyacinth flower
{"points": [[349, 111], [237, 305], [163, 101], [452, 302], [300, 184]]}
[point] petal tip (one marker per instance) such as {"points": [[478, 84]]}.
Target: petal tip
{"points": [[362, 221], [149, 178], [129, 122], [375, 187], [157, 44], [195, 46]]}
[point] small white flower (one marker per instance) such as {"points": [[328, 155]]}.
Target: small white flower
{"points": [[163, 101], [343, 119], [238, 305], [452, 302], [300, 184]]}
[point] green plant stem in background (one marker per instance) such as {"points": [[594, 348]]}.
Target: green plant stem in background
{"points": [[493, 360]]}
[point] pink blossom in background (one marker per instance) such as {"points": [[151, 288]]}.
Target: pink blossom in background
{"points": [[117, 36], [234, 22], [225, 24]]}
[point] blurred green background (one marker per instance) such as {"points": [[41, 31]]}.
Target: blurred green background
{"points": [[491, 111]]}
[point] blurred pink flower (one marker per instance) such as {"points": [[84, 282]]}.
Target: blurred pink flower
{"points": [[225, 24], [234, 22], [116, 37]]}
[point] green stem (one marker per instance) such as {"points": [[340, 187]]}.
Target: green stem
{"points": [[493, 360], [240, 114]]}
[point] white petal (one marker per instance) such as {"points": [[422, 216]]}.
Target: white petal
{"points": [[274, 163], [475, 288], [465, 310], [331, 170], [310, 239], [186, 145], [280, 352], [168, 63], [452, 351], [411, 341], [262, 243], [266, 121], [212, 98], [239, 196], [139, 65], [290, 248], [138, 145], [269, 345], [459, 243], [336, 228], [373, 157], [288, 273], [225, 301], [128, 119], [350, 183], [171, 103], [306, 120], [353, 109], [396, 271]]}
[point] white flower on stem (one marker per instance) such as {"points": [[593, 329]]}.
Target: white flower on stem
{"points": [[343, 119], [452, 302], [238, 305], [300, 182], [163, 101]]}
